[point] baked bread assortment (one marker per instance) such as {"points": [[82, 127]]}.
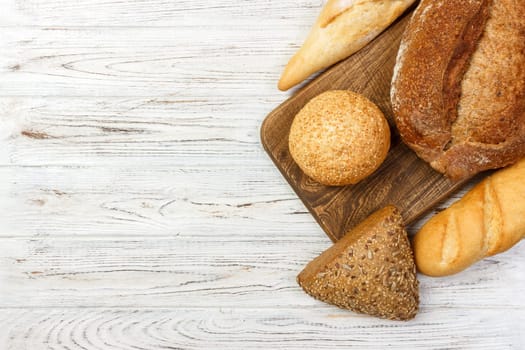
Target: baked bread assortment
{"points": [[343, 27], [458, 91], [339, 138], [370, 270], [458, 97], [488, 220]]}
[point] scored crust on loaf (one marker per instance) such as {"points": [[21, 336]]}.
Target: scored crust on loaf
{"points": [[458, 90], [488, 220]]}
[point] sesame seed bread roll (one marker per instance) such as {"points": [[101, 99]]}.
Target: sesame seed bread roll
{"points": [[339, 138], [488, 220]]}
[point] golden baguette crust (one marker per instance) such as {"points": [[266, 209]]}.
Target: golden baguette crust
{"points": [[370, 270], [342, 28], [458, 91], [488, 220]]}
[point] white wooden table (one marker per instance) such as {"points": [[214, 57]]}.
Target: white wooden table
{"points": [[139, 210]]}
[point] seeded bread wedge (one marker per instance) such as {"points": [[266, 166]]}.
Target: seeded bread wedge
{"points": [[370, 270]]}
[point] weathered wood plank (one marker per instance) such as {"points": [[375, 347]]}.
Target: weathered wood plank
{"points": [[209, 201], [203, 272], [198, 61], [163, 131], [250, 328], [138, 210], [158, 13]]}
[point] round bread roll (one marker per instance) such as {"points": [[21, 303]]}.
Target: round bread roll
{"points": [[339, 138]]}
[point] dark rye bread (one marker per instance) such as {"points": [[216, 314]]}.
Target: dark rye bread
{"points": [[458, 91]]}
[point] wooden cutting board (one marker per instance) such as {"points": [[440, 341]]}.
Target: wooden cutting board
{"points": [[403, 179]]}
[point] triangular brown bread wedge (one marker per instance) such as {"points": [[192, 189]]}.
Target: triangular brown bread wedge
{"points": [[370, 270], [343, 27]]}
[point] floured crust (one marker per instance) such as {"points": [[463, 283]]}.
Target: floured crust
{"points": [[458, 91], [343, 27]]}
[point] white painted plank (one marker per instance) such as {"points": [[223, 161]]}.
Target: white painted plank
{"points": [[132, 177], [162, 13], [163, 131], [215, 202], [200, 61], [256, 328], [204, 272]]}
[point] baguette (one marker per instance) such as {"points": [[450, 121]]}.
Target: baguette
{"points": [[488, 220], [343, 27]]}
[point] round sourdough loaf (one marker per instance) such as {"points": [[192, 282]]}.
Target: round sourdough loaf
{"points": [[339, 138]]}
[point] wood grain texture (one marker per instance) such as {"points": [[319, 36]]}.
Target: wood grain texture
{"points": [[255, 328], [138, 209], [151, 201], [143, 62], [159, 13], [202, 272], [162, 131], [403, 179]]}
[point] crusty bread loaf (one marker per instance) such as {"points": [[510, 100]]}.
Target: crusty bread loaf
{"points": [[339, 138], [343, 27], [370, 270], [488, 220], [458, 91]]}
